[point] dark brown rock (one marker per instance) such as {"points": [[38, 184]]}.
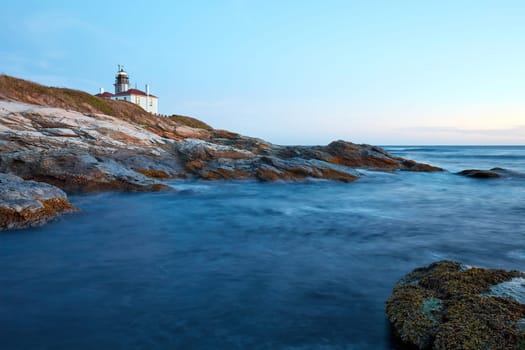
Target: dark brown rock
{"points": [[153, 173], [410, 165], [480, 174]]}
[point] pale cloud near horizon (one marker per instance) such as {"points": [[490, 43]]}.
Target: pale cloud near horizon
{"points": [[516, 130], [512, 135]]}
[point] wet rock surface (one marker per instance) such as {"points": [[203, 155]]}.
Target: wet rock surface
{"points": [[447, 305], [29, 203]]}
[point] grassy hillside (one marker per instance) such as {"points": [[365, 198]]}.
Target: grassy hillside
{"points": [[190, 121], [29, 92]]}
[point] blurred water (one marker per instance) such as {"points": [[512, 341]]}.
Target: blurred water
{"points": [[254, 266], [457, 158]]}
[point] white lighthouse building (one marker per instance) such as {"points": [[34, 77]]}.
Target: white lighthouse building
{"points": [[144, 99]]}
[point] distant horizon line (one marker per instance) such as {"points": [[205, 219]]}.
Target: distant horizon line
{"points": [[442, 145]]}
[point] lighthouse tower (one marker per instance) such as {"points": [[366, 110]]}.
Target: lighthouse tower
{"points": [[123, 92], [121, 80]]}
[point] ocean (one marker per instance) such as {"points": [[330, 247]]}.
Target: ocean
{"points": [[247, 265]]}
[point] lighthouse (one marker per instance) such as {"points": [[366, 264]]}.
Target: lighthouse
{"points": [[123, 92], [121, 80]]}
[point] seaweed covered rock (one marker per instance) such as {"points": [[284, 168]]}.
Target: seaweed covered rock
{"points": [[447, 305], [28, 203]]}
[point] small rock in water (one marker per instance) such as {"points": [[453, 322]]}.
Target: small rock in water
{"points": [[480, 174], [445, 307]]}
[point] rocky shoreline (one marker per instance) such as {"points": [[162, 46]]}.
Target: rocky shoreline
{"points": [[82, 143], [80, 152]]}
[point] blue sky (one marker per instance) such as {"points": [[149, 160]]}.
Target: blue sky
{"points": [[293, 72]]}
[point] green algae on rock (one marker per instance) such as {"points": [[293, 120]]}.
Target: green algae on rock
{"points": [[447, 305]]}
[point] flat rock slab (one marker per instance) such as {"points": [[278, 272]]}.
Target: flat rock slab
{"points": [[26, 203], [447, 305]]}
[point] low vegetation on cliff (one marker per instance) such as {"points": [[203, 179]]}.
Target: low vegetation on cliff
{"points": [[15, 89]]}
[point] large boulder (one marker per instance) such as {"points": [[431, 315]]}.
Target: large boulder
{"points": [[26, 203], [448, 306]]}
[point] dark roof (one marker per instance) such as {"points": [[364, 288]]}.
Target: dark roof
{"points": [[105, 94], [133, 92]]}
